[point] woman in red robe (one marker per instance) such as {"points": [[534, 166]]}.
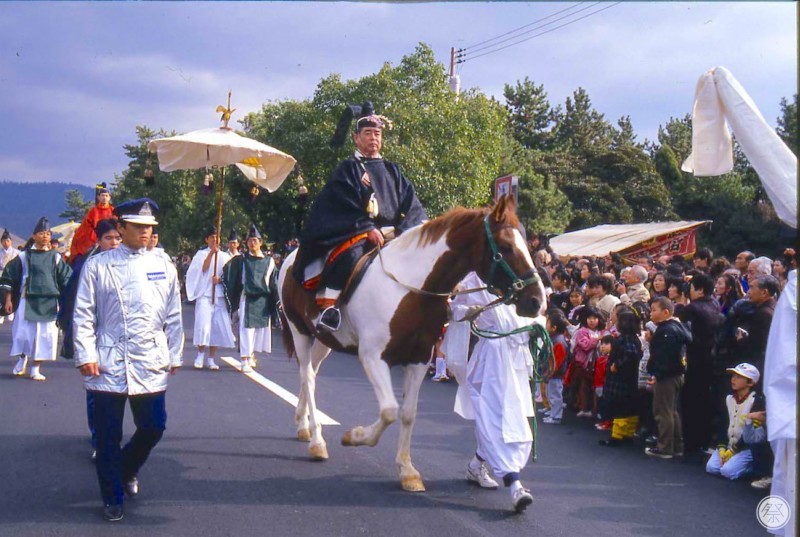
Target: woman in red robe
{"points": [[85, 236]]}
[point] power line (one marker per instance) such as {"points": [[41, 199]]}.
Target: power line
{"points": [[462, 60], [520, 28], [468, 51]]}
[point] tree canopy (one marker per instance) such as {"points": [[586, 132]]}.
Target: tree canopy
{"points": [[576, 169]]}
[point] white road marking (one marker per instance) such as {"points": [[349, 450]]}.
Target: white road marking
{"points": [[277, 389]]}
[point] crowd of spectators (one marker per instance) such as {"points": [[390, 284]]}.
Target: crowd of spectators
{"points": [[666, 352]]}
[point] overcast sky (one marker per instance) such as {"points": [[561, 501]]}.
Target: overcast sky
{"points": [[77, 78]]}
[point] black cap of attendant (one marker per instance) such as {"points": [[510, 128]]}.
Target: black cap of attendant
{"points": [[104, 226], [366, 118], [42, 225], [210, 231], [253, 232], [101, 188], [139, 211], [233, 236], [6, 235]]}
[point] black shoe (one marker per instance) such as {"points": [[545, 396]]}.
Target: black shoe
{"points": [[330, 319], [113, 513], [651, 440], [132, 487]]}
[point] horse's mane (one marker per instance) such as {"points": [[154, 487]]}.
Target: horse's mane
{"points": [[433, 230]]}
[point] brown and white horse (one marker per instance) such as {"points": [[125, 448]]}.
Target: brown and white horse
{"points": [[387, 324]]}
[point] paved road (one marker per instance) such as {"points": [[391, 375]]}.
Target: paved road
{"points": [[229, 465]]}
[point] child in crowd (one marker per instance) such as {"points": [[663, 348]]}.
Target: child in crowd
{"points": [[557, 328], [621, 390], [600, 369], [586, 339], [734, 459], [666, 368], [576, 302], [645, 404]]}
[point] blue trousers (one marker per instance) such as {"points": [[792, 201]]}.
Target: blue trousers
{"points": [[117, 465], [738, 466]]}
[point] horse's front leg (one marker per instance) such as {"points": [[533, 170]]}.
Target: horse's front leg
{"points": [[380, 377], [318, 354], [410, 479]]}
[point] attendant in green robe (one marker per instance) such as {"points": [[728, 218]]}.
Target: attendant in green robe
{"points": [[250, 289], [32, 283]]}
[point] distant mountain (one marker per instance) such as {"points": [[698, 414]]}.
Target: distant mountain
{"points": [[22, 204]]}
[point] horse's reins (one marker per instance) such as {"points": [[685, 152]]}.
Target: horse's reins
{"points": [[517, 285]]}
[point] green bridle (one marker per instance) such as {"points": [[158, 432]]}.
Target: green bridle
{"points": [[518, 283]]}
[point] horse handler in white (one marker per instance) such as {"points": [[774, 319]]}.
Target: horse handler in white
{"points": [[493, 389], [212, 324]]}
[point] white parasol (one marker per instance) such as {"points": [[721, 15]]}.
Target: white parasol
{"points": [[221, 147]]}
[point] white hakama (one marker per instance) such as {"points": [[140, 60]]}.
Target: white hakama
{"points": [[212, 326], [252, 340], [36, 340]]}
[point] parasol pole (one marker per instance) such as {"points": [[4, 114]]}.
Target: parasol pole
{"points": [[219, 229], [226, 116]]}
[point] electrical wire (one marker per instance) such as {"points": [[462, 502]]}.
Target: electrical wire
{"points": [[521, 27], [475, 48], [463, 60]]}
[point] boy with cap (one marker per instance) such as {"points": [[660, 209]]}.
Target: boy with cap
{"points": [[128, 340], [233, 244], [212, 327], [250, 289], [734, 459], [33, 281], [7, 253]]}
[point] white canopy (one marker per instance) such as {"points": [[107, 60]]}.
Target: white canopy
{"points": [[600, 240], [262, 164], [720, 101]]}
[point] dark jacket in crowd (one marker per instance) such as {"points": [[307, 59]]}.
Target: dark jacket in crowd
{"points": [[560, 301], [705, 321], [753, 347], [621, 389], [667, 349]]}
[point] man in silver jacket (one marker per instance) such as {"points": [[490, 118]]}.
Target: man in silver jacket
{"points": [[128, 339]]}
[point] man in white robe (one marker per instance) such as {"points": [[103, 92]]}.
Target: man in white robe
{"points": [[212, 327], [494, 390], [780, 391]]}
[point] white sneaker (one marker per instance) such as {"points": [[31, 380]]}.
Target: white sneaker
{"points": [[481, 476], [246, 368], [253, 361], [520, 499], [585, 414], [212, 365], [38, 377], [198, 362], [762, 484], [22, 364]]}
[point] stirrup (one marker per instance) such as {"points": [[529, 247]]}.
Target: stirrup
{"points": [[330, 319]]}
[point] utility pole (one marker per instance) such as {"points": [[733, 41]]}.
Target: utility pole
{"points": [[455, 80]]}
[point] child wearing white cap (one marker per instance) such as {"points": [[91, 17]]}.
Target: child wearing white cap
{"points": [[734, 459]]}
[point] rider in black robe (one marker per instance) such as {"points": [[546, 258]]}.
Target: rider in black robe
{"points": [[364, 194]]}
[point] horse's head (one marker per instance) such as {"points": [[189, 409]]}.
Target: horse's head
{"points": [[506, 265]]}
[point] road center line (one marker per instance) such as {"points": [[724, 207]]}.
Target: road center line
{"points": [[277, 389]]}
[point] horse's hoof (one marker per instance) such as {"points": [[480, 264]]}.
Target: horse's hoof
{"points": [[346, 439], [304, 435], [412, 484], [319, 452]]}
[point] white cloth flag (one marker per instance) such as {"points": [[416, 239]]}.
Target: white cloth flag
{"points": [[719, 98]]}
